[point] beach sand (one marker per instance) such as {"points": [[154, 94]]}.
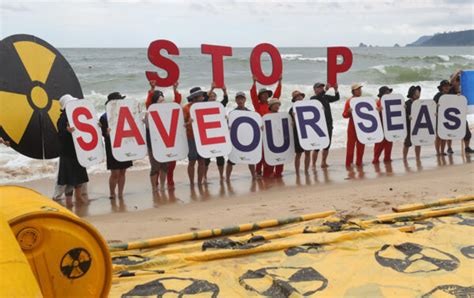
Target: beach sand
{"points": [[358, 192]]}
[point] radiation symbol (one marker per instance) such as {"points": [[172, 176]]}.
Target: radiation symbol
{"points": [[75, 263], [129, 260], [415, 258], [33, 76], [468, 251], [226, 243], [451, 290], [307, 248], [175, 287], [284, 281]]}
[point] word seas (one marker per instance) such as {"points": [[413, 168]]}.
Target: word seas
{"points": [[241, 135], [218, 53]]}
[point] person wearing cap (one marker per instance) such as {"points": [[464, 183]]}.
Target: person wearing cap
{"points": [[384, 146], [326, 100], [414, 94], [220, 160], [456, 89], [260, 104], [443, 89], [297, 96], [70, 173], [177, 99], [196, 95], [240, 100], [352, 141], [117, 168], [268, 170]]}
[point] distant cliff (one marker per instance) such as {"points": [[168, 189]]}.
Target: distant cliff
{"points": [[461, 38]]}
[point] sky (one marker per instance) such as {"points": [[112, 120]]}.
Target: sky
{"points": [[319, 23]]}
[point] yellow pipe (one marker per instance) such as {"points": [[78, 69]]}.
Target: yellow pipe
{"points": [[441, 202]]}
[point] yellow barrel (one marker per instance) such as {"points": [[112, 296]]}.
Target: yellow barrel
{"points": [[16, 278], [67, 255]]}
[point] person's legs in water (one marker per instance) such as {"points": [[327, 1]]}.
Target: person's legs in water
{"points": [[417, 152], [307, 161], [278, 171], [220, 161], [121, 182], [378, 148], [113, 181], [207, 162], [449, 143], [268, 170], [360, 153], [170, 175], [467, 140], [191, 168], [68, 192], [228, 170], [350, 147], [162, 175], [324, 163], [78, 194], [201, 170], [252, 172], [405, 152], [387, 151], [314, 158], [297, 163]]}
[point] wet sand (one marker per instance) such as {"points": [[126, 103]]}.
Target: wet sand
{"points": [[372, 189]]}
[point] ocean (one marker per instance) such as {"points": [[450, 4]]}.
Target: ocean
{"points": [[101, 71]]}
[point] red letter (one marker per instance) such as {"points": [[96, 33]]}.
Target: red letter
{"points": [[203, 126], [124, 114], [277, 65], [168, 139], [217, 53], [162, 62], [333, 67], [85, 127]]}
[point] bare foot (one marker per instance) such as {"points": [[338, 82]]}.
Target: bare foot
{"points": [[324, 165]]}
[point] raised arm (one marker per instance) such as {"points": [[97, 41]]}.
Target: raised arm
{"points": [[225, 100], [150, 93], [347, 109], [177, 96], [254, 96], [277, 93]]}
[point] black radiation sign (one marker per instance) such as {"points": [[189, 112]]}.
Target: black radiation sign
{"points": [[33, 77], [75, 263]]}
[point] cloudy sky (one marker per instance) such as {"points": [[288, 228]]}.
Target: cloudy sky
{"points": [[107, 23]]}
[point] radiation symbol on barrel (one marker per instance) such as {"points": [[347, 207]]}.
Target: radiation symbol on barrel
{"points": [[75, 263], [33, 76], [284, 281], [415, 258], [175, 287]]}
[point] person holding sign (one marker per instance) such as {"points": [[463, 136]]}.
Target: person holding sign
{"points": [[443, 88], [385, 145], [155, 176], [297, 96], [326, 100], [70, 171], [352, 141], [260, 104], [456, 89], [220, 160], [240, 100], [117, 168], [414, 94], [195, 95], [268, 170]]}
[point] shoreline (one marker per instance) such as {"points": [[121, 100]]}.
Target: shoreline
{"points": [[367, 191]]}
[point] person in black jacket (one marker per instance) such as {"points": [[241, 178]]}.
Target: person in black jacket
{"points": [[443, 89], [320, 94], [413, 94], [117, 168], [71, 173]]}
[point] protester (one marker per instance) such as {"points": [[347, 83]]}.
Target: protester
{"points": [[384, 145], [177, 99], [240, 100], [170, 166], [326, 100], [456, 89], [70, 171], [220, 160], [260, 104], [268, 170], [352, 140], [297, 96], [117, 168], [443, 89], [195, 95], [414, 94]]}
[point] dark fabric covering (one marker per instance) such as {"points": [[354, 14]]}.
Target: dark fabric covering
{"points": [[112, 163]]}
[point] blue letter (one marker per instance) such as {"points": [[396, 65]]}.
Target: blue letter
{"points": [[452, 118], [419, 124], [358, 109], [286, 136], [310, 122], [389, 114], [235, 140]]}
